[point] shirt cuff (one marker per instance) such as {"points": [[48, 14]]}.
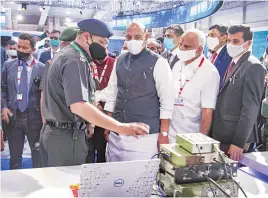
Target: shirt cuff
{"points": [[166, 114], [109, 107]]}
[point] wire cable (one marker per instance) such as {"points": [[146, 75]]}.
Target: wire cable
{"points": [[217, 185], [204, 169], [239, 186]]}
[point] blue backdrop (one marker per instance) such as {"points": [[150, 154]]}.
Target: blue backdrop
{"points": [[260, 42], [178, 15]]}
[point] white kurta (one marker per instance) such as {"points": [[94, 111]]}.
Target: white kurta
{"points": [[200, 92], [127, 148]]}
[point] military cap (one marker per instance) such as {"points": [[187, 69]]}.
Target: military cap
{"points": [[68, 34], [96, 27]]}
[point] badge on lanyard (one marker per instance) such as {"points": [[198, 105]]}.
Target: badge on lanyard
{"points": [[19, 97], [179, 101]]}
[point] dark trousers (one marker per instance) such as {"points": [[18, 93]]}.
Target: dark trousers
{"points": [[97, 147], [62, 147], [17, 130]]}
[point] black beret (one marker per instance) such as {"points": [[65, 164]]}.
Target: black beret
{"points": [[96, 27]]}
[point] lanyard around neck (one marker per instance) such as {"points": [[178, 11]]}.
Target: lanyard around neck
{"points": [[186, 81], [75, 46]]}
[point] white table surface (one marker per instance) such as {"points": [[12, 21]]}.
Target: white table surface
{"points": [[20, 183]]}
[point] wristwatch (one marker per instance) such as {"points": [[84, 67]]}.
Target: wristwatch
{"points": [[164, 133]]}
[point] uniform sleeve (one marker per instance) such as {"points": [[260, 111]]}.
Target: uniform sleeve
{"points": [[4, 88], [111, 91], [164, 86], [42, 84], [75, 82], [210, 91]]}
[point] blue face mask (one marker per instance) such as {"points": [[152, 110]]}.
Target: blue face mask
{"points": [[168, 43], [54, 43]]}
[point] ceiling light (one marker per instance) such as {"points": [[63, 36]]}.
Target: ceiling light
{"points": [[19, 17], [68, 20], [67, 12]]}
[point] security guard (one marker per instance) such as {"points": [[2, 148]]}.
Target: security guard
{"points": [[68, 97]]}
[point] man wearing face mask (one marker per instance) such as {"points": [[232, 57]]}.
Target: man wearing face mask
{"points": [[68, 104], [216, 42], [139, 90], [21, 101], [153, 45], [55, 47], [171, 43], [239, 99], [103, 69], [196, 85], [11, 49]]}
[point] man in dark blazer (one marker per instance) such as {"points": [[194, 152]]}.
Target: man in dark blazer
{"points": [[3, 57], [171, 43], [20, 100], [239, 99], [216, 41], [55, 47]]}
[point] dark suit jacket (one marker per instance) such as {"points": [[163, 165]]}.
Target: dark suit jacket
{"points": [[9, 91], [238, 103], [45, 56], [222, 62], [3, 57], [175, 59]]}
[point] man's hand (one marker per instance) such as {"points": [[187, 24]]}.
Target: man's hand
{"points": [[99, 107], [106, 135], [90, 130], [235, 152], [132, 129], [6, 113], [162, 140]]}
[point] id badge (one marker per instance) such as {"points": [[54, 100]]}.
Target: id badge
{"points": [[179, 102], [19, 97]]}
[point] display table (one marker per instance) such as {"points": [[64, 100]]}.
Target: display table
{"points": [[21, 183]]}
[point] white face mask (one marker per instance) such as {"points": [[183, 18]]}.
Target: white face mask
{"points": [[124, 51], [212, 42], [185, 55], [235, 50], [12, 52], [135, 46]]}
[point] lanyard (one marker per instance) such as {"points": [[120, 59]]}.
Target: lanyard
{"points": [[186, 81], [20, 70], [75, 46], [95, 71]]}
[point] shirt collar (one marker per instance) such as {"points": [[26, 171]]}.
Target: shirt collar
{"points": [[235, 60], [28, 62], [175, 51], [56, 50], [219, 50]]}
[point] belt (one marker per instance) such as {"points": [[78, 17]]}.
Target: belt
{"points": [[68, 125]]}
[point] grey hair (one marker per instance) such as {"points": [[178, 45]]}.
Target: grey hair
{"points": [[138, 23], [200, 35]]}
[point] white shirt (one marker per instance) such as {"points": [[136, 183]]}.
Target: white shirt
{"points": [[51, 51], [163, 83], [200, 92]]}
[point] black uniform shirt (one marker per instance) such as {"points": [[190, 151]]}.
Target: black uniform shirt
{"points": [[67, 81]]}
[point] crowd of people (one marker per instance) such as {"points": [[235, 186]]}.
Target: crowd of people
{"points": [[77, 103]]}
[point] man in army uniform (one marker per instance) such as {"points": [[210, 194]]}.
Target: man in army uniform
{"points": [[68, 97]]}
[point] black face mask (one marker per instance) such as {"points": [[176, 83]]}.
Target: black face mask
{"points": [[97, 51], [22, 56]]}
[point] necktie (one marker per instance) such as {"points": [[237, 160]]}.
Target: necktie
{"points": [[214, 57], [229, 69], [23, 88], [169, 57]]}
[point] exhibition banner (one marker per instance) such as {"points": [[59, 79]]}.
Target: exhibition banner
{"points": [[260, 42], [189, 12]]}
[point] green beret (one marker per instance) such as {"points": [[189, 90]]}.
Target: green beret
{"points": [[68, 34]]}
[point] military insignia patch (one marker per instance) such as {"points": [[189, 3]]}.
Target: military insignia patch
{"points": [[82, 59]]}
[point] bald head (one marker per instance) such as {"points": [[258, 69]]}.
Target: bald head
{"points": [[153, 45]]}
